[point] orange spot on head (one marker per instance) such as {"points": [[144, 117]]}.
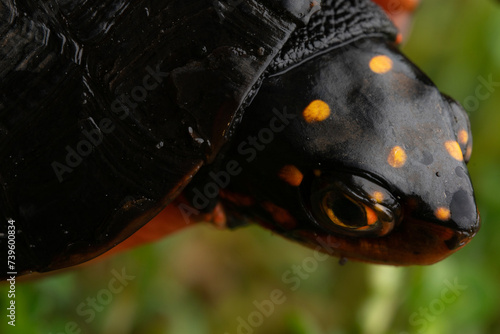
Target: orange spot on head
{"points": [[316, 111], [442, 213], [381, 64], [397, 157], [317, 173], [468, 153], [463, 137], [378, 196], [454, 150], [291, 175]]}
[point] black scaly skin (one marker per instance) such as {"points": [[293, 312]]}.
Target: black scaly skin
{"points": [[339, 22]]}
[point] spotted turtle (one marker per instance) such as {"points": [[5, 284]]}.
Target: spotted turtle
{"points": [[301, 115]]}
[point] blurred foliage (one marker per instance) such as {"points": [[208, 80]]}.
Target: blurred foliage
{"points": [[207, 281]]}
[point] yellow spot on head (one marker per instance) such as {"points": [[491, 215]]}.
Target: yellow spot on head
{"points": [[397, 157], [378, 196], [454, 150], [463, 137], [468, 153], [442, 213], [316, 111], [381, 64], [291, 175]]}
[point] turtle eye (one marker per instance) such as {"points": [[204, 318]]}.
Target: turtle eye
{"points": [[353, 205], [351, 215], [345, 212]]}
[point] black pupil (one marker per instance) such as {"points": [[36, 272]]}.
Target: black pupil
{"points": [[346, 211]]}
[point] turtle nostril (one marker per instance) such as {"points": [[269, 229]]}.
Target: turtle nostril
{"points": [[459, 239], [464, 211]]}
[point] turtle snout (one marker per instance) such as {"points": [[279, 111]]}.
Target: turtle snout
{"points": [[464, 215], [459, 214]]}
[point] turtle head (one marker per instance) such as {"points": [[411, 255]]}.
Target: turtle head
{"points": [[357, 152]]}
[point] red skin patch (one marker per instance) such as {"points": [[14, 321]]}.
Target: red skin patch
{"points": [[280, 215], [168, 221], [400, 13], [237, 199]]}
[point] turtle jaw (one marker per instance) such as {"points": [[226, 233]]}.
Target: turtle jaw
{"points": [[414, 242]]}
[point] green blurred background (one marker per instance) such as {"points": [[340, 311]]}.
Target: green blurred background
{"points": [[206, 281]]}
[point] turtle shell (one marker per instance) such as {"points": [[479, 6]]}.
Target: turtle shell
{"points": [[107, 109]]}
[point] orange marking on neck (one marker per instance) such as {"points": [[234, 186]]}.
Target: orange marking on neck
{"points": [[291, 175], [280, 215], [238, 199]]}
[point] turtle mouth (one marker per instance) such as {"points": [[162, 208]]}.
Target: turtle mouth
{"points": [[414, 243]]}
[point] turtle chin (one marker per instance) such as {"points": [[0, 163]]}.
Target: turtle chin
{"points": [[414, 242]]}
